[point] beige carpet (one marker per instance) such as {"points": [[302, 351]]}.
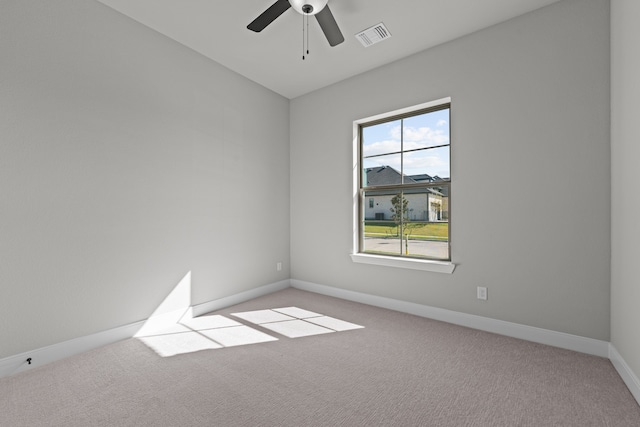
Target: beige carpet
{"points": [[399, 370]]}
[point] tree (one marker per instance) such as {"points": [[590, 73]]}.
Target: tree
{"points": [[400, 215]]}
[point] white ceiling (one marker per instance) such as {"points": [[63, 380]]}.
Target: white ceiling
{"points": [[273, 58]]}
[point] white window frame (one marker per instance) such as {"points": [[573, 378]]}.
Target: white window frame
{"points": [[382, 260]]}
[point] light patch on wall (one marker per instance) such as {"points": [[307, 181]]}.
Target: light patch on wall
{"points": [[174, 307], [172, 329]]}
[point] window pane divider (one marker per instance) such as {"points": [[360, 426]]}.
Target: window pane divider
{"points": [[406, 151]]}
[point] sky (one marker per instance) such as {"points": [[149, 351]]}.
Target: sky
{"points": [[417, 132]]}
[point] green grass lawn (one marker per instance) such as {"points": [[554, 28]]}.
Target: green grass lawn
{"points": [[428, 231]]}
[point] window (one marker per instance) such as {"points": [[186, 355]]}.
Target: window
{"points": [[403, 162]]}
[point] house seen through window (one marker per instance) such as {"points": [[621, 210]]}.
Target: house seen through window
{"points": [[405, 177]]}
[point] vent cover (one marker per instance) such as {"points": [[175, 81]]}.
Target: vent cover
{"points": [[373, 35]]}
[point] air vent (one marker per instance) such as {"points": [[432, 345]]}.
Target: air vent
{"points": [[373, 35]]}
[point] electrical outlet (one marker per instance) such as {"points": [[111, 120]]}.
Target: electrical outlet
{"points": [[482, 293], [278, 266]]}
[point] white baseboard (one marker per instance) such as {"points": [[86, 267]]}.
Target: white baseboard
{"points": [[41, 356], [18, 363], [515, 330], [628, 376]]}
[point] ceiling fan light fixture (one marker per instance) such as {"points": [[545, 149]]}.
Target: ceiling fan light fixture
{"points": [[302, 6], [319, 8]]}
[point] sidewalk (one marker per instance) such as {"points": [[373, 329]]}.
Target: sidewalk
{"points": [[431, 249]]}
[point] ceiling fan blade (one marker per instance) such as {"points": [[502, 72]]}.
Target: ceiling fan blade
{"points": [[329, 26], [269, 15]]}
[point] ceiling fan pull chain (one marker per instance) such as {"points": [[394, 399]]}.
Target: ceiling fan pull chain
{"points": [[307, 34], [303, 37]]}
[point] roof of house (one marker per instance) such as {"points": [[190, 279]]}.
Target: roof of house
{"points": [[386, 175], [421, 178]]}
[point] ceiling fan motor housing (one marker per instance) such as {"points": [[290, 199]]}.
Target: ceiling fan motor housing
{"points": [[308, 7], [319, 8]]}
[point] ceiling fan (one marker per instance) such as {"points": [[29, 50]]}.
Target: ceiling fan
{"points": [[319, 8]]}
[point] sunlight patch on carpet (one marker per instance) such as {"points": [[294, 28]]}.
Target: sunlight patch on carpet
{"points": [[212, 332], [294, 322], [202, 333]]}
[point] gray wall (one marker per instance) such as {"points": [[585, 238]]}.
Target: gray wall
{"points": [[530, 127], [123, 158], [122, 155], [625, 197]]}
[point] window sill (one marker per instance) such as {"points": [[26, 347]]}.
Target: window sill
{"points": [[412, 263]]}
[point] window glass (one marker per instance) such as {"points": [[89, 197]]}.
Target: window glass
{"points": [[433, 162], [426, 130], [406, 171], [378, 139]]}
